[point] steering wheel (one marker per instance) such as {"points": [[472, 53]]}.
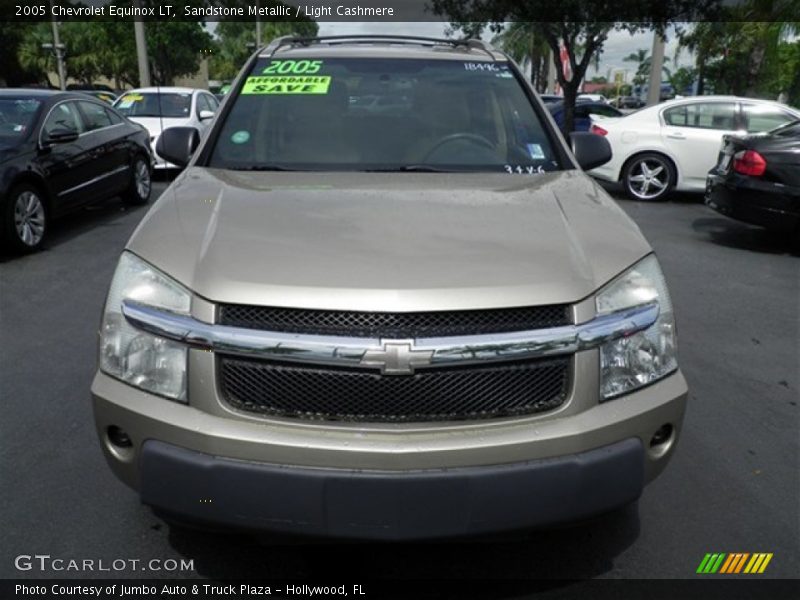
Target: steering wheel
{"points": [[454, 137]]}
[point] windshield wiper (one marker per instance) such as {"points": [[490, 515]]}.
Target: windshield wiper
{"points": [[270, 167], [410, 169]]}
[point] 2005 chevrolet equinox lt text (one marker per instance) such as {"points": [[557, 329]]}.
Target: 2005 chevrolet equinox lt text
{"points": [[384, 301]]}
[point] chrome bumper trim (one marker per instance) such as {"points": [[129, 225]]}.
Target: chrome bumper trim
{"points": [[393, 357]]}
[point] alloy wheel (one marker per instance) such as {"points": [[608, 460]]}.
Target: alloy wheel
{"points": [[648, 178], [29, 218], [142, 179]]}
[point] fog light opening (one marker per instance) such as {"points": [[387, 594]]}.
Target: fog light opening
{"points": [[119, 438], [661, 441], [119, 443]]}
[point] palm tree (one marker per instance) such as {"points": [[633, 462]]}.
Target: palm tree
{"points": [[639, 57], [520, 42], [32, 57], [643, 60]]}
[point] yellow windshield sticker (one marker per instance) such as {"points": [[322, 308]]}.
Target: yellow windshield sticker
{"points": [[296, 84]]}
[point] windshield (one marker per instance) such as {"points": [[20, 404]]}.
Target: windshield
{"points": [[147, 104], [790, 129], [383, 114], [17, 118]]}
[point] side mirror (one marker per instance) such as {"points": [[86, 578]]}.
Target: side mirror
{"points": [[60, 135], [206, 114], [590, 150], [177, 144]]}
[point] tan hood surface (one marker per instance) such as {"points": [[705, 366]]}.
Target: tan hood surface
{"points": [[388, 241]]}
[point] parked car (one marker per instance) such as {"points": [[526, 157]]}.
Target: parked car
{"points": [[97, 87], [757, 179], [548, 98], [157, 108], [107, 97], [627, 102], [583, 113], [672, 146], [58, 152], [592, 98], [399, 325]]}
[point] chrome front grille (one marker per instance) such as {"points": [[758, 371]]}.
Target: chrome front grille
{"points": [[446, 394], [394, 325]]}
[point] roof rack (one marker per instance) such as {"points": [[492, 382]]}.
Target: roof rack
{"points": [[291, 40]]}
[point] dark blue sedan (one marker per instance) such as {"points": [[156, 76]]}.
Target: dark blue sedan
{"points": [[583, 110]]}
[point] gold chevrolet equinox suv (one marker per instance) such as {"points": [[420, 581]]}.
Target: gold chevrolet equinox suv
{"points": [[384, 301]]}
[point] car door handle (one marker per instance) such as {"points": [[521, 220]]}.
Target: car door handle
{"points": [[676, 136]]}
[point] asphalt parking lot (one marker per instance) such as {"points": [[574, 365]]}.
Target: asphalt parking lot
{"points": [[733, 486]]}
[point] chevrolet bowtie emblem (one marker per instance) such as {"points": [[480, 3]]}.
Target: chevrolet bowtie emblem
{"points": [[397, 358]]}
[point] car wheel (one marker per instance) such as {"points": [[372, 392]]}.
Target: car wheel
{"points": [[648, 177], [25, 219], [141, 182]]}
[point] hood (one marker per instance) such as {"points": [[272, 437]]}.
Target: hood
{"points": [[155, 125], [388, 242]]}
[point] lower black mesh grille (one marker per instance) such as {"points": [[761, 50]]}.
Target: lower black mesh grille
{"points": [[429, 395], [394, 325]]}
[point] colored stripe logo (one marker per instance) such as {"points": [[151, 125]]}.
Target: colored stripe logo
{"points": [[734, 563]]}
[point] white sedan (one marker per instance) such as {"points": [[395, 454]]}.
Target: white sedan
{"points": [[157, 108], [673, 145]]}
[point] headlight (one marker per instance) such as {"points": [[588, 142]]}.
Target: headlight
{"points": [[146, 361], [637, 360]]}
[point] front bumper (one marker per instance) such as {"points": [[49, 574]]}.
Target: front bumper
{"points": [[391, 481], [753, 201], [386, 505]]}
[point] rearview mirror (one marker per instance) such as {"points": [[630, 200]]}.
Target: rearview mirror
{"points": [[60, 135], [206, 114], [177, 144], [590, 150]]}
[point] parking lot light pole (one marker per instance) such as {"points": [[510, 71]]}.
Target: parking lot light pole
{"points": [[59, 51], [141, 51]]}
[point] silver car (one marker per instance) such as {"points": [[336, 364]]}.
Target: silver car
{"points": [[422, 321]]}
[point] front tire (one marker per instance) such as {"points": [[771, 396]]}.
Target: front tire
{"points": [[649, 177], [138, 192], [25, 220]]}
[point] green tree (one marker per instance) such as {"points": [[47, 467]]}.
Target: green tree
{"points": [[12, 72], [639, 57], [643, 62], [33, 58], [235, 39], [682, 78], [175, 49], [738, 54], [522, 43]]}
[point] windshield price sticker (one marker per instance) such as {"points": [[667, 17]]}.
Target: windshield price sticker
{"points": [[287, 85], [295, 67], [481, 66], [526, 170], [499, 69]]}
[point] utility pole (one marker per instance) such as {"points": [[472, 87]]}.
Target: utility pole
{"points": [[141, 50], [58, 50], [656, 64]]}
